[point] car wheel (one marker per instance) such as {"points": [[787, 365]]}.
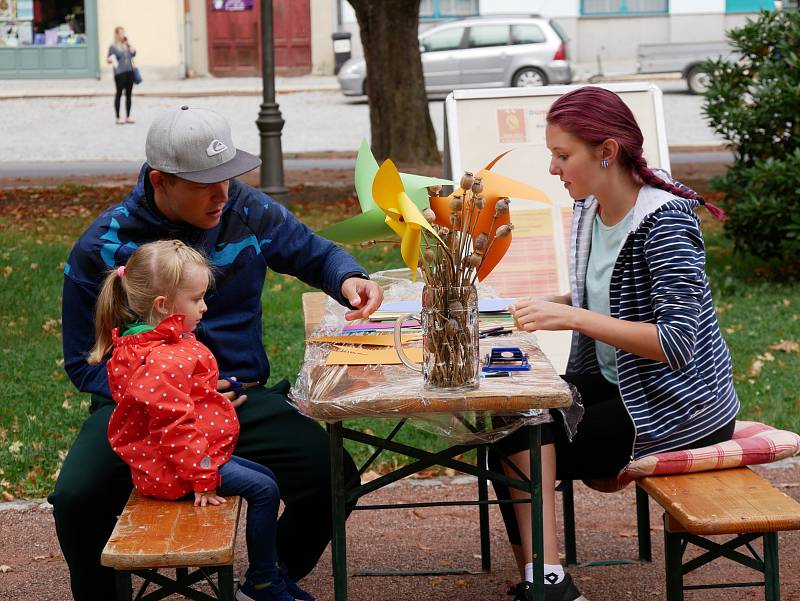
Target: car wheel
{"points": [[529, 77], [698, 80]]}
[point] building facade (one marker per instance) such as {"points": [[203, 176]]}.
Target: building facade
{"points": [[45, 39]]}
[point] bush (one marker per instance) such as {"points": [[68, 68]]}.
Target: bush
{"points": [[754, 103]]}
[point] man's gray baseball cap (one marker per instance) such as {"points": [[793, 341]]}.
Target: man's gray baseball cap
{"points": [[196, 145]]}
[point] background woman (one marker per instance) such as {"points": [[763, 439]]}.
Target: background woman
{"points": [[120, 57]]}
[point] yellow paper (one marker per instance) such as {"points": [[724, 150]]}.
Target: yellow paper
{"points": [[372, 356], [371, 339]]}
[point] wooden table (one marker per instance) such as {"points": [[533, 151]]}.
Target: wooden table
{"points": [[336, 393]]}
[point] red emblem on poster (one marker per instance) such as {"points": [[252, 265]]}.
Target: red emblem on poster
{"points": [[511, 126]]}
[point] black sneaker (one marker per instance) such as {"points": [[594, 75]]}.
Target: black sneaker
{"points": [[563, 591]]}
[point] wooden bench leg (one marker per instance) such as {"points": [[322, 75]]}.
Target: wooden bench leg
{"points": [[772, 581], [123, 584], [225, 583], [643, 524], [673, 563]]}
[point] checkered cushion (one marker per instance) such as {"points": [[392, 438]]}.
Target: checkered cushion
{"points": [[752, 443]]}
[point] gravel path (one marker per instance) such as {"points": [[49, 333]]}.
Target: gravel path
{"points": [[436, 538]]}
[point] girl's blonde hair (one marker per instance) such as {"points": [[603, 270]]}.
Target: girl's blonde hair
{"points": [[154, 269]]}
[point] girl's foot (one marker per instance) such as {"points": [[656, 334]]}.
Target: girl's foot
{"points": [[129, 120], [120, 121]]}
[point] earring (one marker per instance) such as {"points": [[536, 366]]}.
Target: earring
{"points": [[604, 164]]}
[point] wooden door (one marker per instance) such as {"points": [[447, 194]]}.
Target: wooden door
{"points": [[234, 37], [292, 27]]}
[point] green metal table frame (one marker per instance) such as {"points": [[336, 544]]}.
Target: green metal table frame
{"points": [[346, 494], [182, 584]]}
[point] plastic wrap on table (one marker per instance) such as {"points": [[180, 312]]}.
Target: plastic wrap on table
{"points": [[337, 392]]}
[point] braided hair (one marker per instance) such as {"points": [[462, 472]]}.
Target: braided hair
{"points": [[594, 115]]}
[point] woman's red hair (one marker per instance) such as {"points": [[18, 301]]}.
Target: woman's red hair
{"points": [[593, 115]]}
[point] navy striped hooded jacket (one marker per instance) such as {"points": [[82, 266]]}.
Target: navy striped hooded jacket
{"points": [[255, 233], [659, 277]]}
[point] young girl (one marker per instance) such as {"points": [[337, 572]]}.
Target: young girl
{"points": [[647, 357], [170, 424]]}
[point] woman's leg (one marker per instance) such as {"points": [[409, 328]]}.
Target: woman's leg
{"points": [[118, 82], [128, 93]]}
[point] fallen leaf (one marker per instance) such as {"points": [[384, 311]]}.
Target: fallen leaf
{"points": [[7, 496], [4, 568], [424, 547], [786, 302], [419, 515], [756, 367], [786, 346], [367, 476]]}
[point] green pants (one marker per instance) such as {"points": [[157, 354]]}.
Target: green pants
{"points": [[95, 483]]}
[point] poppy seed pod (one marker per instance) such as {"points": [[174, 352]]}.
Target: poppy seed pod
{"points": [[429, 255], [434, 190], [479, 202], [501, 206], [367, 244], [474, 260], [503, 231], [451, 327], [477, 186], [456, 204], [455, 306], [481, 242], [454, 220], [467, 180], [444, 232], [429, 215]]}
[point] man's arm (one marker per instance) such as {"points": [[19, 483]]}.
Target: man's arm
{"points": [[77, 323]]}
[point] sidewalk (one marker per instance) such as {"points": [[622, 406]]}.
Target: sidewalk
{"points": [[436, 539], [251, 86]]}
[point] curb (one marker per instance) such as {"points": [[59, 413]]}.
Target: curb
{"points": [[161, 94]]}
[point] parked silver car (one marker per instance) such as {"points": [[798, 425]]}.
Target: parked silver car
{"points": [[482, 52]]}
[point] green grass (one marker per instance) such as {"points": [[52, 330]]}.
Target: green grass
{"points": [[40, 412]]}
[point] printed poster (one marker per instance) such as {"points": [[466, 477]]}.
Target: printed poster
{"points": [[230, 5], [511, 126], [8, 10]]}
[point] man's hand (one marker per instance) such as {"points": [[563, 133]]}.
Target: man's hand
{"points": [[209, 497], [366, 295], [226, 388]]}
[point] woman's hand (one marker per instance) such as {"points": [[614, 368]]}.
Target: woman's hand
{"points": [[531, 315], [209, 497]]}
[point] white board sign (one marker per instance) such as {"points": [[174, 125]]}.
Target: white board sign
{"points": [[481, 124]]}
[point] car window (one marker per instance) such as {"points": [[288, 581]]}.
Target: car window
{"points": [[449, 39], [482, 36], [527, 34]]}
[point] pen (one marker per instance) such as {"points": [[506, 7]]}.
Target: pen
{"points": [[495, 374]]}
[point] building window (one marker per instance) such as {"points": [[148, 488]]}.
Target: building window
{"points": [[624, 7], [748, 6], [42, 23], [447, 9]]}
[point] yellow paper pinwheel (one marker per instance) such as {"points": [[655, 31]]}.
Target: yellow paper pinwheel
{"points": [[402, 215]]}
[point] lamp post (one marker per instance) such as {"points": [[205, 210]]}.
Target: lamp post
{"points": [[270, 122]]}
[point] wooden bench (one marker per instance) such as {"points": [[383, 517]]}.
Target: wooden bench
{"points": [[152, 534], [732, 501]]}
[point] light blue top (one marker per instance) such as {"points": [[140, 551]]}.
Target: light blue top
{"points": [[606, 244]]}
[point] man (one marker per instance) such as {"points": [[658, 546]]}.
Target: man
{"points": [[186, 191]]}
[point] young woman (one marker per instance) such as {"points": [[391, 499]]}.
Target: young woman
{"points": [[647, 358], [120, 57], [170, 425]]}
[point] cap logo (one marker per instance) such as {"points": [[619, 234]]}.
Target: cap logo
{"points": [[216, 147]]}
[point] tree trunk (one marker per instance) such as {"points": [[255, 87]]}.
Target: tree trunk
{"points": [[398, 106]]}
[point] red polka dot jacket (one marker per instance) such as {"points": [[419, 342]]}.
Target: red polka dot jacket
{"points": [[170, 424]]}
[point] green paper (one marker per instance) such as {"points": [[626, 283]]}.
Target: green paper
{"points": [[366, 226], [366, 168]]}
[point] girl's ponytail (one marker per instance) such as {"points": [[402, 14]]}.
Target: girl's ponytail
{"points": [[112, 311]]}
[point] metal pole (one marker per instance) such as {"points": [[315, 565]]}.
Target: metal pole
{"points": [[270, 122]]}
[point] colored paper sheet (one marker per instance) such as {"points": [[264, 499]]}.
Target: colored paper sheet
{"points": [[370, 339], [485, 305], [372, 356]]}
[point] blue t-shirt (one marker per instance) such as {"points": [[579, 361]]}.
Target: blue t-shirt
{"points": [[606, 244]]}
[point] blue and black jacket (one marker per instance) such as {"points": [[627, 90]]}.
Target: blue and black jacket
{"points": [[255, 233]]}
